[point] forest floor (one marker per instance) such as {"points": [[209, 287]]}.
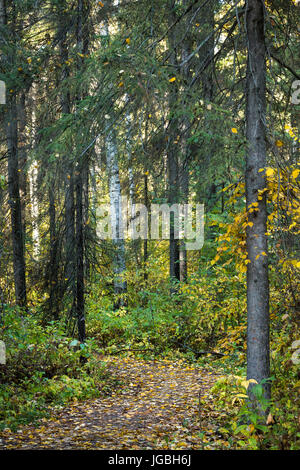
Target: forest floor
{"points": [[158, 406]]}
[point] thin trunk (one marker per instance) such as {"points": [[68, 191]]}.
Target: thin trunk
{"points": [[69, 178], [207, 51], [82, 183], [15, 203], [116, 218], [146, 203], [79, 259], [33, 177], [23, 158], [53, 267], [86, 213], [258, 366], [184, 191], [70, 230], [3, 13], [13, 176], [184, 146], [172, 154], [135, 243], [119, 263]]}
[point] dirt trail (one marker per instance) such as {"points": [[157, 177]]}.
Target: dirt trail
{"points": [[158, 409]]}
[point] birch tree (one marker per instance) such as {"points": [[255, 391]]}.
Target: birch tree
{"points": [[115, 196]]}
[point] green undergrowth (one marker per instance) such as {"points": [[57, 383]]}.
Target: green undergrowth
{"points": [[44, 370], [205, 324]]}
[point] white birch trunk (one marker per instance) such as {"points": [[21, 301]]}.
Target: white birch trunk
{"points": [[130, 169], [117, 227], [34, 208], [33, 177]]}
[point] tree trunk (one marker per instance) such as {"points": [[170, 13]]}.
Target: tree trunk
{"points": [[119, 263], [79, 259], [172, 155], [258, 367], [33, 177], [185, 134], [82, 182], [15, 203], [116, 218], [13, 176], [69, 179], [23, 158], [53, 268]]}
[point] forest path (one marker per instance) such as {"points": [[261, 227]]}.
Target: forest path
{"points": [[158, 408]]}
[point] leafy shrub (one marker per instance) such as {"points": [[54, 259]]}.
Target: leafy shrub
{"points": [[43, 369]]}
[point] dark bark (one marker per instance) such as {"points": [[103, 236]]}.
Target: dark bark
{"points": [[82, 183], [13, 173], [53, 266], [172, 154], [258, 367], [173, 198], [79, 259], [184, 191], [86, 214], [207, 51], [70, 230], [185, 134], [69, 177], [15, 203], [146, 202]]}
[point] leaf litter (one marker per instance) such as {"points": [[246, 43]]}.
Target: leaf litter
{"points": [[158, 406]]}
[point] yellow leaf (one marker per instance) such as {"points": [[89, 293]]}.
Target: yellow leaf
{"points": [[295, 263], [295, 174], [251, 428], [269, 172], [172, 79], [279, 143]]}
